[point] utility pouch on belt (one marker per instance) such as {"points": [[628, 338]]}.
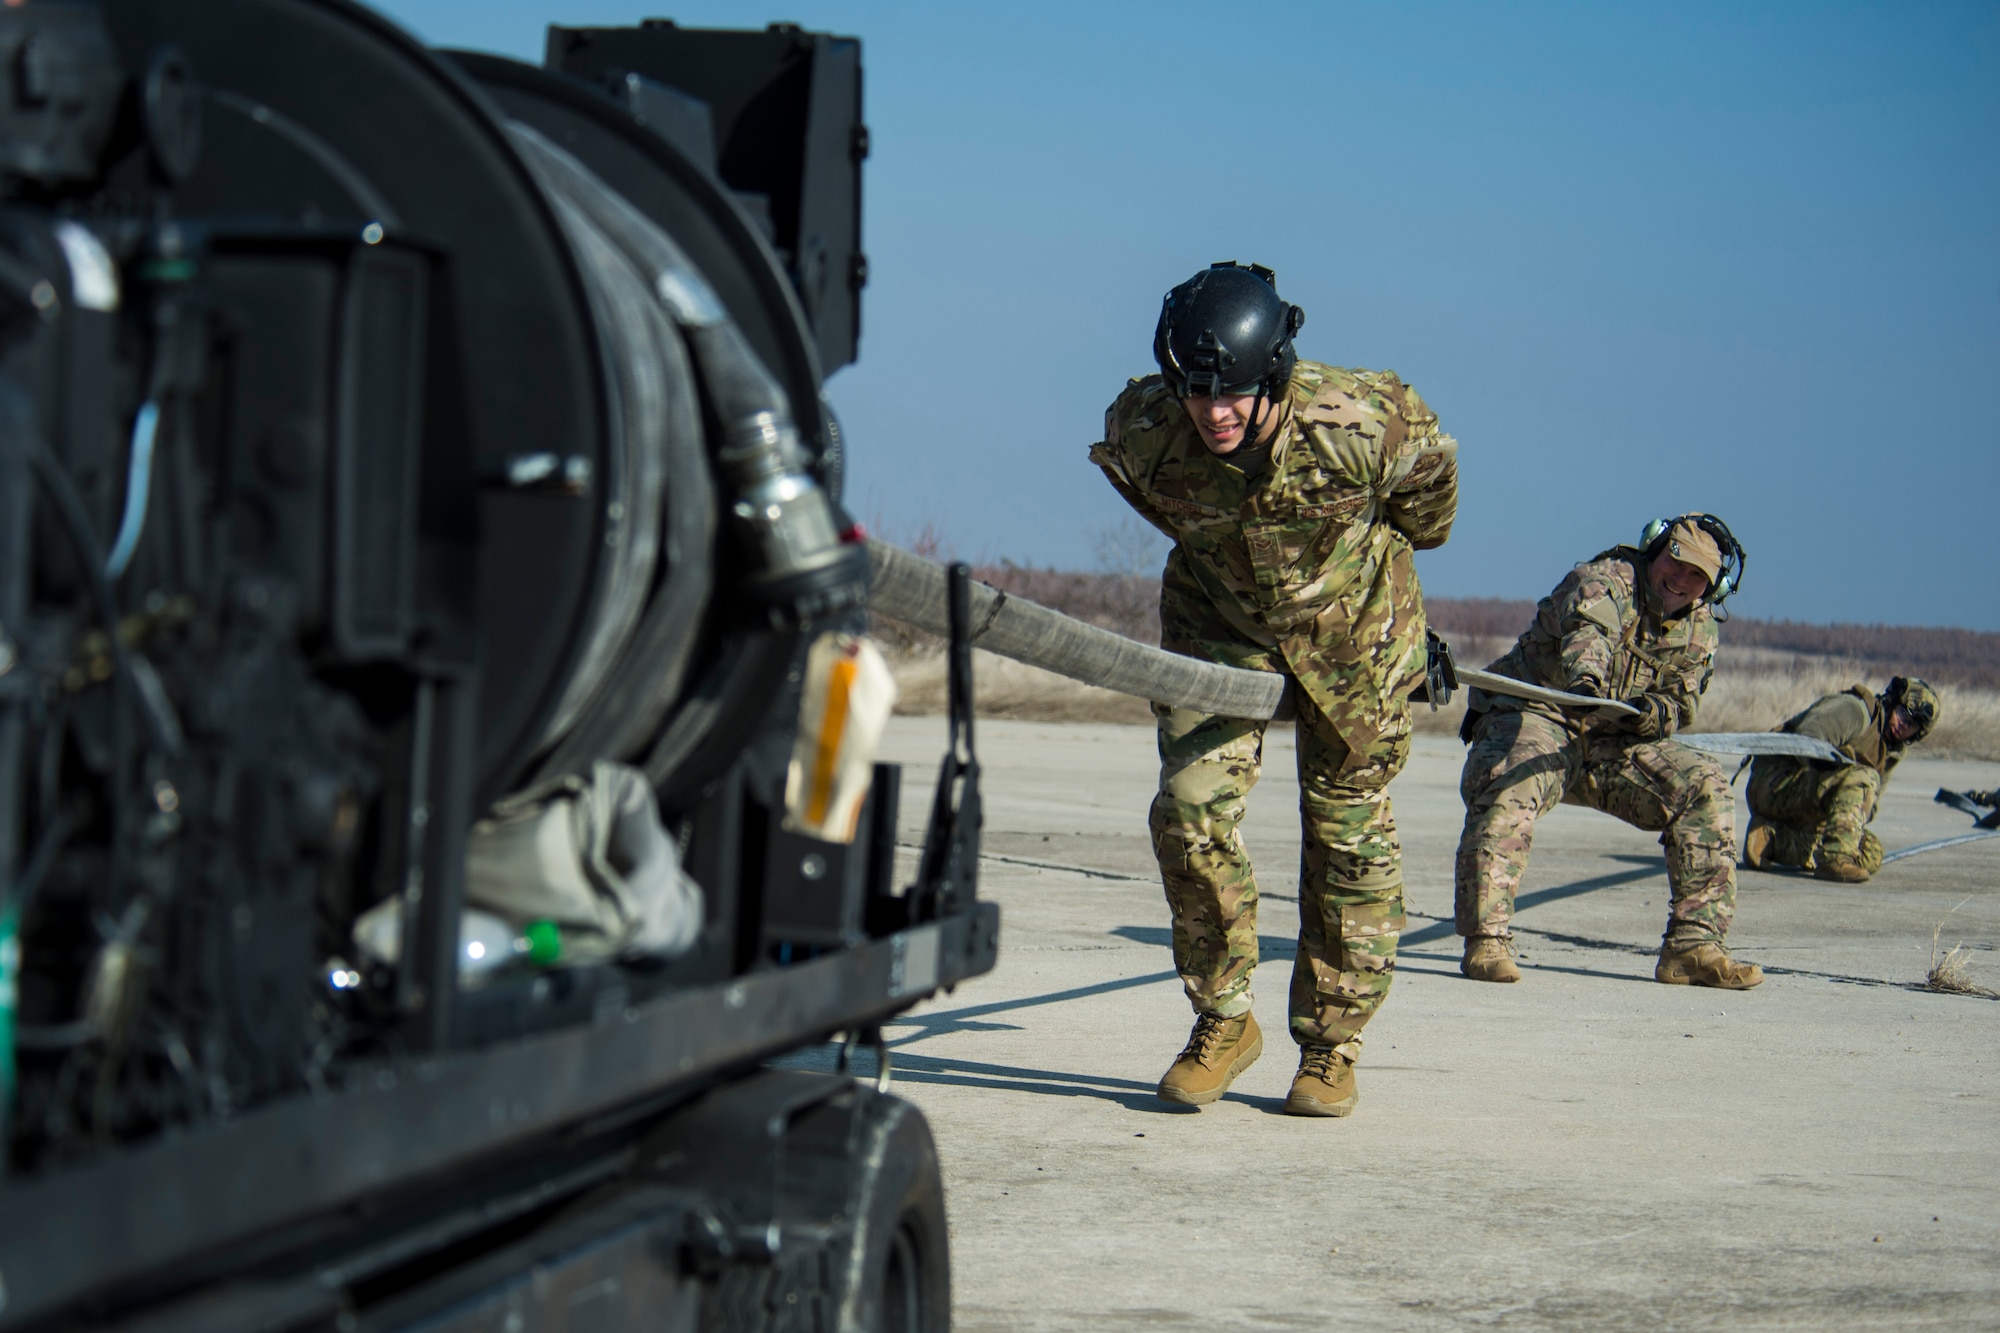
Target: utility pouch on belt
{"points": [[1440, 677]]}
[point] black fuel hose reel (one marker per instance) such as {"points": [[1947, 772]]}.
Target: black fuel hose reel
{"points": [[435, 426]]}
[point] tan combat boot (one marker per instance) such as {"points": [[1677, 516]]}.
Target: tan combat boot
{"points": [[1704, 963], [1840, 869], [1489, 958], [1324, 1085], [1757, 843], [1872, 852], [1217, 1051]]}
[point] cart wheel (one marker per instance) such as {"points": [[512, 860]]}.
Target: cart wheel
{"points": [[900, 1263]]}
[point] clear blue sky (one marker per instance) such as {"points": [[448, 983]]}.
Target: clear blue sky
{"points": [[1742, 257]]}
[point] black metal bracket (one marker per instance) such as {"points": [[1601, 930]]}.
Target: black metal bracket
{"points": [[947, 876], [438, 813], [1440, 675]]}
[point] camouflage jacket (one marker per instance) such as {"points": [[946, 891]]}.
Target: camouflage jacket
{"points": [[1852, 723], [1603, 631], [1304, 566]]}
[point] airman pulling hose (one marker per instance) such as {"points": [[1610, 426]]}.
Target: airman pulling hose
{"points": [[912, 589]]}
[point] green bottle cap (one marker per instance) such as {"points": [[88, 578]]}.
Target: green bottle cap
{"points": [[544, 942]]}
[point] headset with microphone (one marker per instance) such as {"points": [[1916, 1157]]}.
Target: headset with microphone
{"points": [[1730, 580]]}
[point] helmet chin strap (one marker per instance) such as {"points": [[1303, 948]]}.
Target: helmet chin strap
{"points": [[1257, 414]]}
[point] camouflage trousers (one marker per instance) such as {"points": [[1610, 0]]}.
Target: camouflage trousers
{"points": [[1818, 815], [1522, 763], [1350, 869]]}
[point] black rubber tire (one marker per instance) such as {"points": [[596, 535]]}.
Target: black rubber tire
{"points": [[898, 1277]]}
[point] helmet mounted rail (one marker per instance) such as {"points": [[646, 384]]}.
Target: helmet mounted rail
{"points": [[1225, 332]]}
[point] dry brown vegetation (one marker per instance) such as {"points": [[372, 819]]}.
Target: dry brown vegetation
{"points": [[1941, 656], [1951, 971], [1004, 688], [1767, 670]]}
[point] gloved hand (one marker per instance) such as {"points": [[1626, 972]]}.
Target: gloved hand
{"points": [[1592, 688], [1656, 716]]}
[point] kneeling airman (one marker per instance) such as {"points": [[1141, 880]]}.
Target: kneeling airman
{"points": [[1815, 815]]}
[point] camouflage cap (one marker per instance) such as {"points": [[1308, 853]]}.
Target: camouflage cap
{"points": [[1689, 544]]}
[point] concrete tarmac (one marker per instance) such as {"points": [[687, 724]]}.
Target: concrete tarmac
{"points": [[1586, 1149]]}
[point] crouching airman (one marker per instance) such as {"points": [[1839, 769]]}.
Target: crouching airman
{"points": [[1635, 624], [1815, 815]]}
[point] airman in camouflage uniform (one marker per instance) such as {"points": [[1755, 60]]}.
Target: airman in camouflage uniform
{"points": [[1292, 554], [1631, 625], [1815, 815]]}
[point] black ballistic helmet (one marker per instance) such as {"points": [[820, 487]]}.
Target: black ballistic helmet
{"points": [[1224, 332]]}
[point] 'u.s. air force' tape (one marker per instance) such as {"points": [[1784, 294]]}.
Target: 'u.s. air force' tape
{"points": [[1541, 694], [1763, 742], [1713, 742]]}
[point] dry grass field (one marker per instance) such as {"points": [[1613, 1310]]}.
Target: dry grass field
{"points": [[1767, 670]]}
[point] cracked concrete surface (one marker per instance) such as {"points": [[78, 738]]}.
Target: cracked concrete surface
{"points": [[1586, 1149]]}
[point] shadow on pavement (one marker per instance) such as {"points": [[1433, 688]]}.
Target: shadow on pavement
{"points": [[1647, 868], [1131, 1095], [1448, 967], [960, 1020]]}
